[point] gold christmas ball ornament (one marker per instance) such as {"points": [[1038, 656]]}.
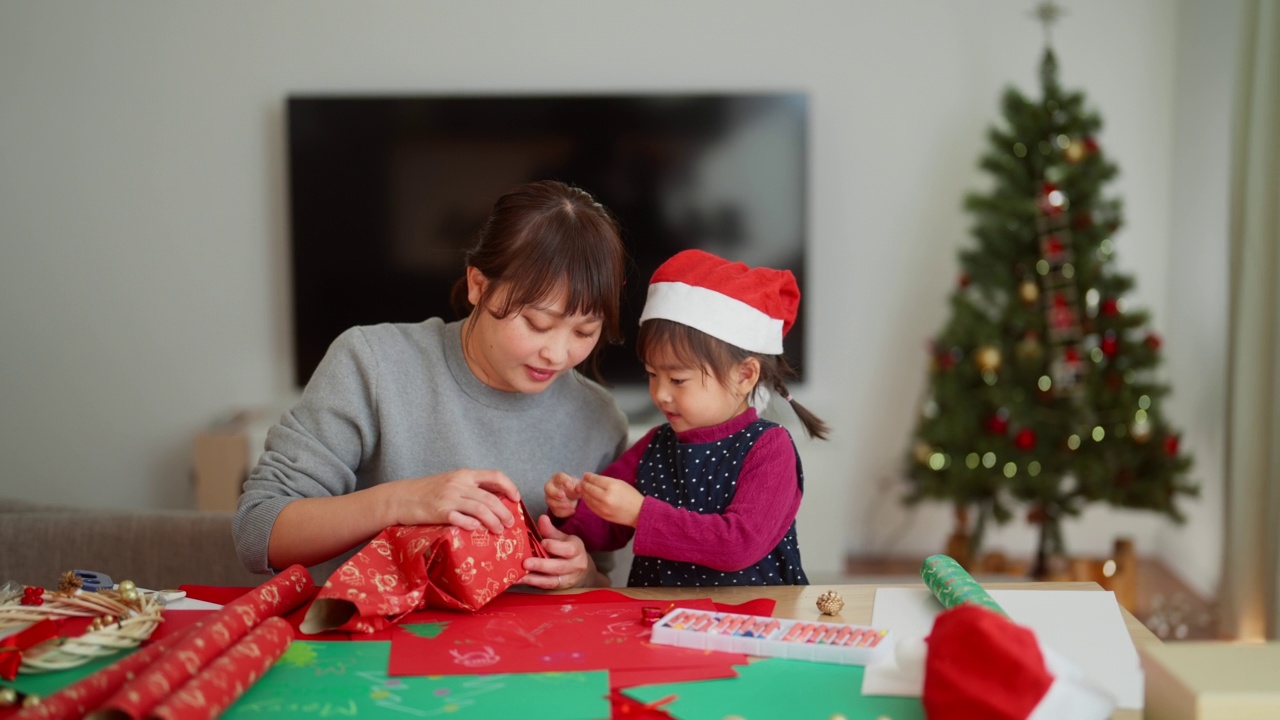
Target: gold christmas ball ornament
{"points": [[987, 358], [8, 697], [1028, 291], [830, 603], [1074, 152]]}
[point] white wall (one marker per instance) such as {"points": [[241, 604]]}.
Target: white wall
{"points": [[142, 221]]}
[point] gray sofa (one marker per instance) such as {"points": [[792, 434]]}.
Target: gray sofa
{"points": [[156, 549]]}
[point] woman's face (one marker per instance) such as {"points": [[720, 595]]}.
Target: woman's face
{"points": [[527, 350]]}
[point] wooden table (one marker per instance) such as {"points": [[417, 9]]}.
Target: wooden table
{"points": [[799, 602]]}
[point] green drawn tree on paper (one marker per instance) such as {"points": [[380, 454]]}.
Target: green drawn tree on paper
{"points": [[1042, 389], [426, 630]]}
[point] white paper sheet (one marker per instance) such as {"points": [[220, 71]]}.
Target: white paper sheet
{"points": [[1084, 626]]}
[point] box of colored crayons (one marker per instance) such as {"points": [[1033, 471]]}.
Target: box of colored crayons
{"points": [[774, 637]]}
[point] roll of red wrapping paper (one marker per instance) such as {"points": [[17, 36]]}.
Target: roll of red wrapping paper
{"points": [[233, 672], [78, 699], [278, 596]]}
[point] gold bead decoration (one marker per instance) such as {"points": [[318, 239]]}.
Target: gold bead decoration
{"points": [[8, 697], [125, 586], [30, 701], [830, 603]]}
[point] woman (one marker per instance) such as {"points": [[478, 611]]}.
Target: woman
{"points": [[413, 424]]}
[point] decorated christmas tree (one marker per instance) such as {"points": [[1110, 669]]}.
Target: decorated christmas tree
{"points": [[1042, 391]]}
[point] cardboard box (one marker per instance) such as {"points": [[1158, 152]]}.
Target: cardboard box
{"points": [[221, 464], [1212, 681]]}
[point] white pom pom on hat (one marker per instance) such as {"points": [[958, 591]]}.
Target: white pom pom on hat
{"points": [[750, 308]]}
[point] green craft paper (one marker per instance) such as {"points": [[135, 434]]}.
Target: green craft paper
{"points": [[349, 679], [48, 683], [776, 688]]}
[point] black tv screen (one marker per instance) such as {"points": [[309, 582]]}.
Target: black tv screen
{"points": [[387, 193]]}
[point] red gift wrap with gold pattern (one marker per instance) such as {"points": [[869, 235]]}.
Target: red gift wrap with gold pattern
{"points": [[198, 647], [408, 568], [225, 679], [77, 699]]}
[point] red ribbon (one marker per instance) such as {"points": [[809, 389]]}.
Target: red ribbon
{"points": [[11, 647]]}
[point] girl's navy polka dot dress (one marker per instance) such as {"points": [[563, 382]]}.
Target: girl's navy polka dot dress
{"points": [[703, 477]]}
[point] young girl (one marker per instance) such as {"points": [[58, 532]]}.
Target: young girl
{"points": [[422, 423], [711, 496]]}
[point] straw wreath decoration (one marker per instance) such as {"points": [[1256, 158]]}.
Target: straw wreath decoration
{"points": [[121, 619]]}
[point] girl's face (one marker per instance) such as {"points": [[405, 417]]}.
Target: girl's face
{"points": [[691, 397], [527, 350]]}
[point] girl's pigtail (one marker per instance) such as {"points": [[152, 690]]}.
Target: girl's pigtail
{"points": [[814, 427]]}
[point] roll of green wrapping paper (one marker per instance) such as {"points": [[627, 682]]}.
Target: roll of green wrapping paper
{"points": [[953, 585]]}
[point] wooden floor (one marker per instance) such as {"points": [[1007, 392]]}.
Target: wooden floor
{"points": [[1162, 601]]}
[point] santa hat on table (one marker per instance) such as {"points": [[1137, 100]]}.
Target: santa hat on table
{"points": [[750, 308], [980, 664]]}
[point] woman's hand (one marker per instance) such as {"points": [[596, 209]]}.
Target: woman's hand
{"points": [[612, 499], [465, 498], [562, 491], [569, 564]]}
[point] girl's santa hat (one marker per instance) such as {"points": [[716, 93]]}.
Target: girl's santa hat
{"points": [[980, 664], [750, 308]]}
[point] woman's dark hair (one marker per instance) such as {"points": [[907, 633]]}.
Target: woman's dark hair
{"points": [[695, 348], [541, 237]]}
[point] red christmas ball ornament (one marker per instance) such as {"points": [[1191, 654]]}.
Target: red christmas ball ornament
{"points": [[1082, 221], [1171, 445], [1053, 244], [945, 360], [1109, 345], [1153, 341], [964, 280], [1071, 354], [998, 424], [1090, 145], [1109, 307], [1025, 439]]}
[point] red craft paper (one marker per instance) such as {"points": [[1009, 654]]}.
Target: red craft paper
{"points": [[233, 672], [621, 679], [407, 568], [507, 637], [211, 637]]}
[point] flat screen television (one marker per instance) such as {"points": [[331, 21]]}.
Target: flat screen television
{"points": [[387, 192]]}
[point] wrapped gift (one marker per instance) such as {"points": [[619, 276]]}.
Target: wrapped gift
{"points": [[407, 568]]}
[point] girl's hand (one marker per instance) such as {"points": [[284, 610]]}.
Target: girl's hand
{"points": [[465, 498], [614, 500], [569, 564], [563, 491]]}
